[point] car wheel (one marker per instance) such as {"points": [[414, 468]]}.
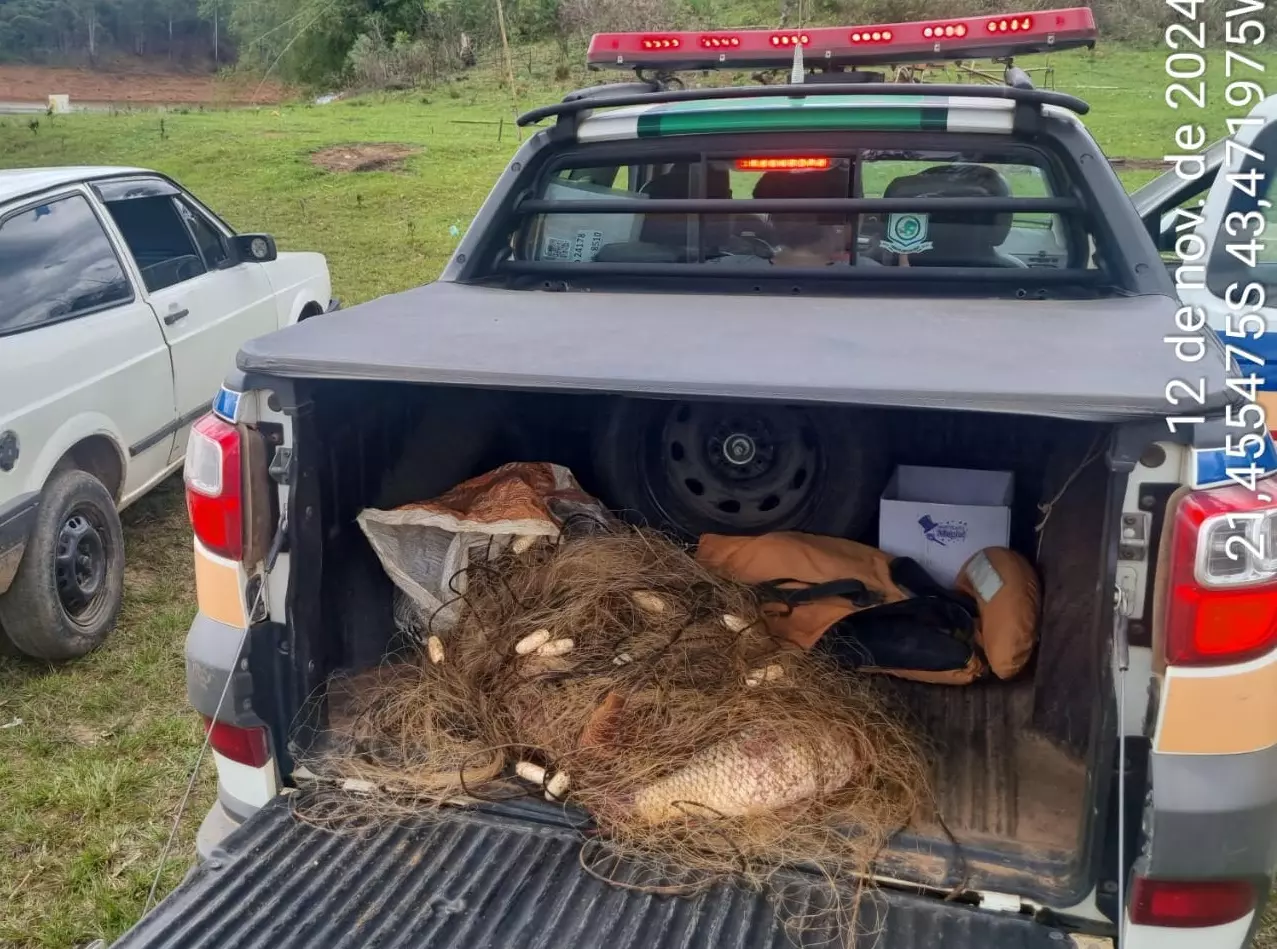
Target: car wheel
{"points": [[66, 596], [694, 468]]}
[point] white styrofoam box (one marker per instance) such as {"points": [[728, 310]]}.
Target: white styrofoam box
{"points": [[941, 517]]}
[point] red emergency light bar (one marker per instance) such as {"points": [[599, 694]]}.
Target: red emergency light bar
{"points": [[973, 37]]}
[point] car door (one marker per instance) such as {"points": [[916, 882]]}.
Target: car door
{"points": [[208, 301], [1236, 249], [81, 354]]}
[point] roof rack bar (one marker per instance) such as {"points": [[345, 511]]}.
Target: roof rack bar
{"points": [[1029, 277], [1038, 97], [795, 205]]}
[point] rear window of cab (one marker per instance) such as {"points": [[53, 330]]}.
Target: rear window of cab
{"points": [[812, 235]]}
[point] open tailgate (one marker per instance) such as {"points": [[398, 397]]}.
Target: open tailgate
{"points": [[473, 879]]}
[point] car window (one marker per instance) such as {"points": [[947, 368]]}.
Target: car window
{"points": [[209, 240], [1038, 239], [160, 243], [1245, 249], [56, 262], [1168, 222], [814, 237]]}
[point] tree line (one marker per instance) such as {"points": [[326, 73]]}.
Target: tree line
{"points": [[93, 31]]}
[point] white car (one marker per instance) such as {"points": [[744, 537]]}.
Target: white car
{"points": [[123, 301]]}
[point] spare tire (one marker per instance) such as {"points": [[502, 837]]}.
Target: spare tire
{"points": [[692, 468]]}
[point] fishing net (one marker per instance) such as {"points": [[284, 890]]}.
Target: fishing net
{"points": [[605, 669]]}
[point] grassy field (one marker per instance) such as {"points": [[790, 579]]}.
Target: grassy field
{"points": [[94, 755]]}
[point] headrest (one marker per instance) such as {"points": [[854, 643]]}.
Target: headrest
{"points": [[802, 184], [676, 183], [980, 231], [672, 229], [964, 180], [802, 227]]}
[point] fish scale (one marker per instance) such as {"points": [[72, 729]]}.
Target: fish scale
{"points": [[756, 772]]}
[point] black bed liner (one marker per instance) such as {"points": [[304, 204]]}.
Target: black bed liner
{"points": [[477, 880]]}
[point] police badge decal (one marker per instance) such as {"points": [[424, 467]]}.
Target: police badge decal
{"points": [[907, 233]]}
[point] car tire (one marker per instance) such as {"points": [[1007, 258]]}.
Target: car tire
{"points": [[67, 594], [809, 469]]}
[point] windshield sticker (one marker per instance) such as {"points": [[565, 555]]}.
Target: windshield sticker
{"points": [[573, 246], [907, 233], [556, 249], [587, 245]]}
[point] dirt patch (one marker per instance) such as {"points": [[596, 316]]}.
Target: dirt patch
{"points": [[1138, 164], [132, 84], [367, 156]]}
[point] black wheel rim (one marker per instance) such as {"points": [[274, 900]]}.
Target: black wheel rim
{"points": [[733, 468], [80, 564]]}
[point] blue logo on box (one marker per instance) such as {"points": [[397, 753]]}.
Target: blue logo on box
{"points": [[943, 533]]}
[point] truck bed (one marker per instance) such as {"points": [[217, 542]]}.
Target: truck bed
{"points": [[480, 879]]}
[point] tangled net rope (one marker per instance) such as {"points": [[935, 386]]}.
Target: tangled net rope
{"points": [[619, 676]]}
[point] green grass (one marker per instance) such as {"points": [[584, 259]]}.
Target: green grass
{"points": [[91, 778]]}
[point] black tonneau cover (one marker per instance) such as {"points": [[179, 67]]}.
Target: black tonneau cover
{"points": [[478, 881], [1093, 359]]}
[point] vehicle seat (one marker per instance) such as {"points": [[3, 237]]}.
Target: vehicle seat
{"points": [[968, 239], [673, 230]]}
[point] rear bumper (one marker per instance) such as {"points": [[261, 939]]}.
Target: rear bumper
{"points": [[219, 685], [17, 518], [1213, 816], [214, 651]]}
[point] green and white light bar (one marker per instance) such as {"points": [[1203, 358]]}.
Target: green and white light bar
{"points": [[806, 114]]}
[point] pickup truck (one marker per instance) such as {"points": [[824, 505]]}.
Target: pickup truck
{"points": [[732, 309], [123, 301]]}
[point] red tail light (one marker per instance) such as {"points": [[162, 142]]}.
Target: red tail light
{"points": [[215, 486], [1222, 597], [1185, 904], [250, 746]]}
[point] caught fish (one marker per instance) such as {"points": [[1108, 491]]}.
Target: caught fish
{"points": [[757, 772]]}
